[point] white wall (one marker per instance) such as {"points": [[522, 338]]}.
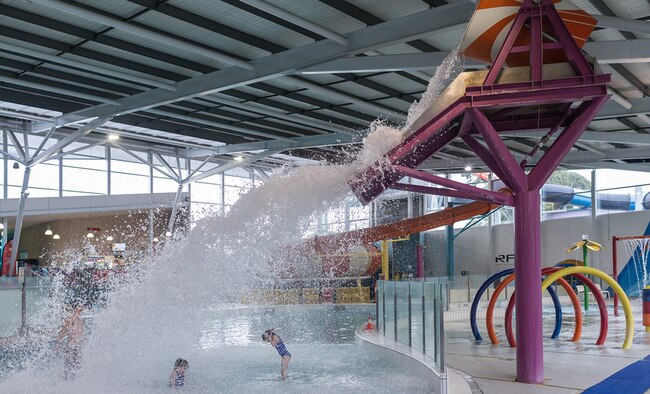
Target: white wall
{"points": [[473, 252]]}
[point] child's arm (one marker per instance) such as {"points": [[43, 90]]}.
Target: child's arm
{"points": [[172, 378]]}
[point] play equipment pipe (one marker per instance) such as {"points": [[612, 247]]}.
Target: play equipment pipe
{"points": [[490, 310], [484, 287], [615, 271], [576, 307], [599, 298], [627, 308], [419, 268]]}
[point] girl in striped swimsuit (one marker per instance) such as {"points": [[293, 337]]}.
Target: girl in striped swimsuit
{"points": [[275, 341]]}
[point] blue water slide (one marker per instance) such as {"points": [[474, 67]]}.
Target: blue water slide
{"points": [[564, 195]]}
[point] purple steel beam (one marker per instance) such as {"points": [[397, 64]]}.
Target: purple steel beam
{"points": [[547, 164], [571, 50], [568, 82], [487, 158], [469, 191], [547, 46], [528, 264], [501, 153], [536, 57], [539, 96], [437, 191], [499, 61], [432, 129]]}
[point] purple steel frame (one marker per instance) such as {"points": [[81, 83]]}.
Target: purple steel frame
{"points": [[467, 118]]}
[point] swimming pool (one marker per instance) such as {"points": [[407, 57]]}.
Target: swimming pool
{"points": [[230, 357]]}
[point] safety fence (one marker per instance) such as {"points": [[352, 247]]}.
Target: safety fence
{"points": [[412, 313], [309, 295]]}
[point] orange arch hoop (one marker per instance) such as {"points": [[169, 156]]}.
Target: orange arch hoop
{"points": [[577, 331]]}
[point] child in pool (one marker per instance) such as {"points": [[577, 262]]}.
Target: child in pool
{"points": [[275, 341], [177, 378]]}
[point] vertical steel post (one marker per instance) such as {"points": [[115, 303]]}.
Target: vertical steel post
{"points": [[419, 263], [383, 309], [450, 245], [424, 318], [5, 172], [395, 310], [23, 303], [19, 220], [177, 200], [151, 234], [61, 175], [384, 260], [150, 161], [410, 317], [530, 355], [107, 156]]}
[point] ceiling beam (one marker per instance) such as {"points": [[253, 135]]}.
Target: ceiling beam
{"points": [[312, 141], [606, 52], [630, 25], [619, 51], [385, 63], [595, 136], [613, 110], [97, 17], [384, 34]]}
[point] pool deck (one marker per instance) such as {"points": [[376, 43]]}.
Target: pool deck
{"points": [[568, 367]]}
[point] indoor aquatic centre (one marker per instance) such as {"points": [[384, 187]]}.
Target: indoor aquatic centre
{"points": [[328, 196]]}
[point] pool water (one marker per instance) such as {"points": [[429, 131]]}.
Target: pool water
{"points": [[230, 357]]}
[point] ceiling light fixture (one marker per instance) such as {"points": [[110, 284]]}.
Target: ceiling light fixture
{"points": [[468, 167], [48, 231], [56, 236], [238, 158], [90, 235], [113, 137], [155, 239], [168, 234]]}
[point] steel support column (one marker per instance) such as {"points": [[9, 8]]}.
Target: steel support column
{"points": [[19, 220], [528, 265], [177, 200]]}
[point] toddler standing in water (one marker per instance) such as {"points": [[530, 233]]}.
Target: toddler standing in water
{"points": [[275, 341], [177, 378]]}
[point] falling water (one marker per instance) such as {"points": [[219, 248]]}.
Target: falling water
{"points": [[158, 311], [639, 250]]}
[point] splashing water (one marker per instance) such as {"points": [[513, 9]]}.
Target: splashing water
{"points": [[448, 69], [158, 311], [639, 250]]}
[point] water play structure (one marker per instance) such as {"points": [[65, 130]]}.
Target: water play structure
{"points": [[538, 80]]}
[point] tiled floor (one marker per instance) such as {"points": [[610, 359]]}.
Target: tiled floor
{"points": [[569, 367]]}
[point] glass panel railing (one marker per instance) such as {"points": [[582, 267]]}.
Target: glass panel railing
{"points": [[402, 313], [413, 314], [389, 310], [417, 315]]}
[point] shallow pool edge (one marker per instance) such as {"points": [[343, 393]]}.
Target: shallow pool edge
{"points": [[417, 362]]}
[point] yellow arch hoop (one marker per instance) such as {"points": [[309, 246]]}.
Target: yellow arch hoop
{"points": [[629, 318]]}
